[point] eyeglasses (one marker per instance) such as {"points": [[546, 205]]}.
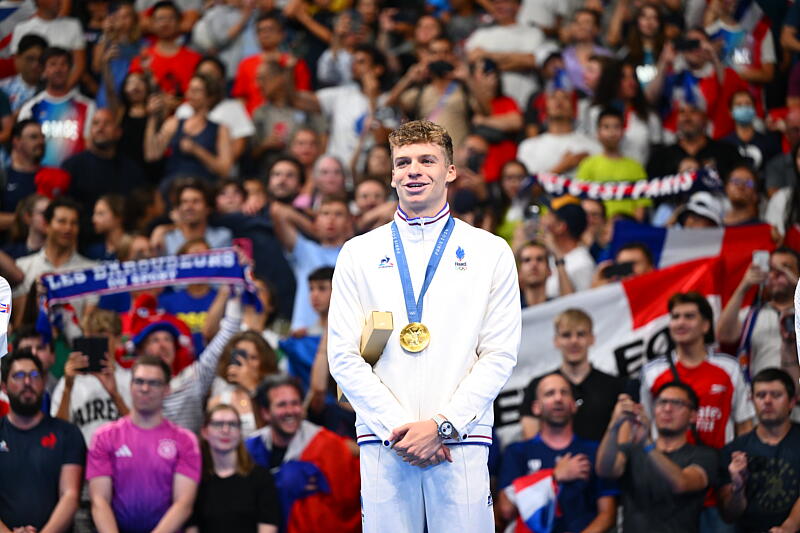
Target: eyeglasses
{"points": [[20, 376], [744, 182], [672, 402], [220, 424], [151, 383]]}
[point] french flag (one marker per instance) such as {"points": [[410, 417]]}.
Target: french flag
{"points": [[535, 497], [630, 317]]}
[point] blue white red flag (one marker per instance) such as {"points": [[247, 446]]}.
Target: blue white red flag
{"points": [[535, 497], [630, 317]]}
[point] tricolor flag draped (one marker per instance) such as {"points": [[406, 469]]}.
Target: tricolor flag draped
{"points": [[535, 497], [630, 317]]}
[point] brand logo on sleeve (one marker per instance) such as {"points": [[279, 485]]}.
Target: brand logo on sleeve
{"points": [[3, 446]]}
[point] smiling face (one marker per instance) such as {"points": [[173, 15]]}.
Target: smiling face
{"points": [[420, 174], [285, 412]]}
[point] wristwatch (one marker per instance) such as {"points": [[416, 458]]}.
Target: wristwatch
{"points": [[445, 428]]}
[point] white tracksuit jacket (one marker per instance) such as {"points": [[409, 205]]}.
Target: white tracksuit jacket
{"points": [[472, 310]]}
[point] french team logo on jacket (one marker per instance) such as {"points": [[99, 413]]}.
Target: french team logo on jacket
{"points": [[460, 263]]}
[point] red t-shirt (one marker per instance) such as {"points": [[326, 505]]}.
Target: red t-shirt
{"points": [[245, 85], [720, 387], [171, 72], [504, 151]]}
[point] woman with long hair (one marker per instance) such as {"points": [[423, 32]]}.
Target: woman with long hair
{"points": [[619, 89], [199, 147], [108, 221], [235, 495], [644, 40], [246, 360], [28, 232]]}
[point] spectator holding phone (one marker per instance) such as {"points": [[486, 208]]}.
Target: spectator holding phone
{"points": [[777, 279], [663, 482], [246, 360], [632, 259], [94, 390]]}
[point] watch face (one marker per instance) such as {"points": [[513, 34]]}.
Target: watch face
{"points": [[446, 429]]}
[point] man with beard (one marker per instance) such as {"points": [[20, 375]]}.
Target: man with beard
{"points": [[41, 458], [101, 169], [692, 141], [663, 482], [586, 502], [778, 286], [27, 150], [316, 475], [761, 485]]}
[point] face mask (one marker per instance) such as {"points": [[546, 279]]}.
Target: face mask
{"points": [[440, 69], [744, 114]]}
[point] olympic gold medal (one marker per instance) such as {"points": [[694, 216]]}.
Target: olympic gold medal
{"points": [[415, 337]]}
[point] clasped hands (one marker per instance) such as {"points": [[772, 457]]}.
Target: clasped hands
{"points": [[419, 444]]}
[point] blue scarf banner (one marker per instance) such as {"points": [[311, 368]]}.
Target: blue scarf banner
{"points": [[215, 266]]}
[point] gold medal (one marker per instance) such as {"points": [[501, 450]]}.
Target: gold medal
{"points": [[415, 337]]}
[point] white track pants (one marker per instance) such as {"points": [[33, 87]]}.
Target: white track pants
{"points": [[451, 497]]}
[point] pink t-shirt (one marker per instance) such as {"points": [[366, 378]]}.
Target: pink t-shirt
{"points": [[142, 464]]}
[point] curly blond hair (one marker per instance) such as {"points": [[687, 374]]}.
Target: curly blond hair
{"points": [[423, 132]]}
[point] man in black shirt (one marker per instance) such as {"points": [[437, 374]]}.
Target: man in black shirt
{"points": [[27, 150], [695, 143], [760, 470], [101, 169], [41, 458], [595, 392], [664, 482]]}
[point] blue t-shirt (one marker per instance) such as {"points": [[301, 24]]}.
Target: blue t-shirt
{"points": [[306, 257], [576, 499], [191, 310]]}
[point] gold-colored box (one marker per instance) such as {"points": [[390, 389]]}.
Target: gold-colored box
{"points": [[375, 335]]}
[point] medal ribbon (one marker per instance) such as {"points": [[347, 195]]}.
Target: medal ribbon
{"points": [[414, 308]]}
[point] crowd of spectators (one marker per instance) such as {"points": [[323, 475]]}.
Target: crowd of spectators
{"points": [[136, 129]]}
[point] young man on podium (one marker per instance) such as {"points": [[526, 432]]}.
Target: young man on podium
{"points": [[453, 293]]}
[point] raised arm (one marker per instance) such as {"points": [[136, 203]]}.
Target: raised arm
{"points": [[729, 328], [611, 461]]}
